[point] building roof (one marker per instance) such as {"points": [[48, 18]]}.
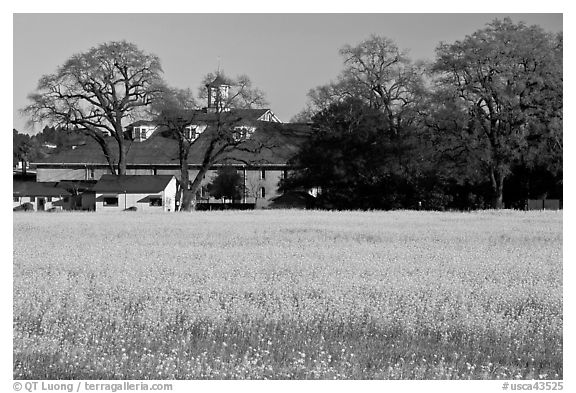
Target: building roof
{"points": [[28, 188], [200, 116], [234, 115], [218, 81], [132, 184], [139, 123], [271, 144]]}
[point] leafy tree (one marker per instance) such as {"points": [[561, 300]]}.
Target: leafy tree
{"points": [[345, 157], [95, 92], [381, 75], [227, 184], [357, 163], [23, 148], [500, 95]]}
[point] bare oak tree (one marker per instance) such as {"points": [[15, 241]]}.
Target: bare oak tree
{"points": [[95, 92]]}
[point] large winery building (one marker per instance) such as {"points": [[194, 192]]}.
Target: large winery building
{"points": [[152, 151]]}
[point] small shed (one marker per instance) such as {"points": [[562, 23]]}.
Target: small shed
{"points": [[39, 196], [135, 192]]}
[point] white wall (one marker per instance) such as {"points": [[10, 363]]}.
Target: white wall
{"points": [[48, 204], [126, 201]]}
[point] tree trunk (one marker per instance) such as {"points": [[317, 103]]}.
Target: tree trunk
{"points": [[184, 197], [187, 200], [196, 184], [106, 150], [121, 158], [497, 181]]}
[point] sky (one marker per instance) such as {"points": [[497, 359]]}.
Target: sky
{"points": [[285, 55]]}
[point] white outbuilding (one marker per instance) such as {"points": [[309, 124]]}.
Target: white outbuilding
{"points": [[135, 192]]}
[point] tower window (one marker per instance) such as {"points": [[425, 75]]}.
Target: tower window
{"points": [[263, 174], [263, 192]]}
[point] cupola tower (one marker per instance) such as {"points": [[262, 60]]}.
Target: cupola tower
{"points": [[218, 95]]}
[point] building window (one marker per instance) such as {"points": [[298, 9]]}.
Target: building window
{"points": [[48, 199], [263, 174], [111, 201], [155, 201], [32, 199], [91, 174], [263, 192], [136, 133], [16, 199]]}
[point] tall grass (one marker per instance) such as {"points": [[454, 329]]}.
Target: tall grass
{"points": [[288, 294]]}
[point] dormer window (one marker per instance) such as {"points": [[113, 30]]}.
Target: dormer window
{"points": [[140, 133], [242, 133], [191, 132]]}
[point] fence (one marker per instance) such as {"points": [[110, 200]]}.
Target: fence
{"points": [[227, 206]]}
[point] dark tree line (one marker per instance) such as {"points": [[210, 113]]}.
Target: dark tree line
{"points": [[484, 117], [27, 148]]}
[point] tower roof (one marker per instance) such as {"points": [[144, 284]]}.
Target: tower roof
{"points": [[218, 81]]}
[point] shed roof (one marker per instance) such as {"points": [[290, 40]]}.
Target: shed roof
{"points": [[132, 184], [45, 189]]}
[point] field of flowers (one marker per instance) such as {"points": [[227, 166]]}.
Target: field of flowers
{"points": [[288, 294]]}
